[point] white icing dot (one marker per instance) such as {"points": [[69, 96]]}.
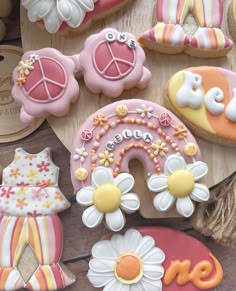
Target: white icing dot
{"points": [[110, 146], [96, 144], [113, 125], [94, 158], [173, 145], [147, 137], [132, 43], [122, 37], [127, 134], [118, 138], [110, 37]]}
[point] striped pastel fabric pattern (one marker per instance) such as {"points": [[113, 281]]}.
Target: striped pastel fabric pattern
{"points": [[44, 235], [172, 11], [208, 13]]}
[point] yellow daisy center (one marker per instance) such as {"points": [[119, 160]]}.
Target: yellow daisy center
{"points": [[181, 183], [107, 198], [129, 269]]}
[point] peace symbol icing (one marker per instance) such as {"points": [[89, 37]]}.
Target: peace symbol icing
{"points": [[137, 129], [146, 259], [29, 202], [44, 83], [58, 14], [111, 62], [205, 97]]}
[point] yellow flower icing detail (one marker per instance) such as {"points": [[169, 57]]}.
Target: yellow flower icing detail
{"points": [[181, 183], [81, 174], [22, 190], [47, 204], [106, 158], [160, 148], [24, 67], [32, 174], [190, 149], [107, 198]]}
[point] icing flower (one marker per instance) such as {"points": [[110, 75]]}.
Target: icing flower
{"points": [[55, 12], [181, 131], [127, 262], [80, 154], [33, 58], [160, 148], [178, 184], [32, 174], [24, 67], [7, 192], [145, 111], [21, 203], [106, 158], [99, 120], [43, 166], [21, 81], [107, 197]]}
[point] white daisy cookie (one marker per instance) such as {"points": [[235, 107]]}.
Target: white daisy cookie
{"points": [[108, 197], [153, 259]]}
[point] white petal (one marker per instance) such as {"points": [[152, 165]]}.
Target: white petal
{"points": [[113, 285], [153, 272], [52, 22], [33, 12], [99, 280], [92, 217], [85, 196], [130, 203], [200, 193], [88, 5], [146, 244], [198, 169], [139, 110], [155, 256], [45, 7], [102, 266], [174, 163], [157, 183], [163, 201], [117, 242], [26, 3], [104, 250], [185, 206], [143, 106], [64, 9], [151, 285], [125, 182], [77, 15], [136, 287], [102, 175], [132, 238], [82, 159], [115, 220]]}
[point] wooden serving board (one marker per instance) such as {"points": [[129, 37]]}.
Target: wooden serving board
{"points": [[136, 17], [11, 128]]}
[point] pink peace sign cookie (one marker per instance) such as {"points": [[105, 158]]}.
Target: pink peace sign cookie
{"points": [[44, 83], [112, 62], [143, 130]]}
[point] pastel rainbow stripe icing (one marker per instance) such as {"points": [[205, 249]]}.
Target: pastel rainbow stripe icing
{"points": [[170, 17]]}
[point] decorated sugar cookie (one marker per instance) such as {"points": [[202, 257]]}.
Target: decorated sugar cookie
{"points": [[168, 35], [56, 14], [44, 84], [205, 98], [29, 202], [111, 62], [135, 129], [151, 259]]}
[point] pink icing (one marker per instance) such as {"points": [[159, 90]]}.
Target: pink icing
{"points": [[102, 135], [109, 67], [49, 88]]}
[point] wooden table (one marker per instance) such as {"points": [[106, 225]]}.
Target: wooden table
{"points": [[78, 240]]}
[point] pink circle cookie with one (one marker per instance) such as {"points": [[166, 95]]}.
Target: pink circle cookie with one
{"points": [[142, 130], [44, 83], [111, 62]]}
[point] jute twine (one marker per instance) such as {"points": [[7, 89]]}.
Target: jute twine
{"points": [[217, 217]]}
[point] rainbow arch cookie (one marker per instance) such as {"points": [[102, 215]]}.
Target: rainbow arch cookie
{"points": [[135, 129], [153, 259], [205, 99]]}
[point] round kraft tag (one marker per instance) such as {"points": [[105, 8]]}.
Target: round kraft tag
{"points": [[11, 128]]}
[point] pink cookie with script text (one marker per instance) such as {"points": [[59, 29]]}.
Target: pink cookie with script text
{"points": [[112, 62], [44, 84]]}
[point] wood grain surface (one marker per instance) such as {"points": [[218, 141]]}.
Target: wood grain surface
{"points": [[78, 240]]}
